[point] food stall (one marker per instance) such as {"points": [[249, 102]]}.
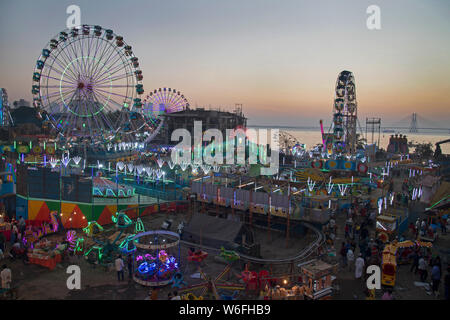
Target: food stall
{"points": [[280, 293], [5, 228], [46, 253], [317, 279]]}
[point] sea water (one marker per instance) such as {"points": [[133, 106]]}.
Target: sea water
{"points": [[312, 137]]}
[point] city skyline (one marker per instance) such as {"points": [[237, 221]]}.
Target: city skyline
{"points": [[279, 59]]}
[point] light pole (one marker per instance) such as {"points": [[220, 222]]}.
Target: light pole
{"points": [[117, 186]]}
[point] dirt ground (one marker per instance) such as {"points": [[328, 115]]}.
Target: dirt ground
{"points": [[405, 289], [352, 289], [36, 282]]}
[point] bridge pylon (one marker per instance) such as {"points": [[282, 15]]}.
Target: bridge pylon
{"points": [[413, 126]]}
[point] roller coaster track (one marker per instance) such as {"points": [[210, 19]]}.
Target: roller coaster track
{"points": [[300, 256]]}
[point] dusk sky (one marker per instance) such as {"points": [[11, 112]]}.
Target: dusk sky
{"points": [[280, 59]]}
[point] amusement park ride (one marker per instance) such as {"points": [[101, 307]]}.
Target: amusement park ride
{"points": [[211, 286], [87, 87], [160, 102], [343, 138], [395, 253], [5, 115], [105, 247]]}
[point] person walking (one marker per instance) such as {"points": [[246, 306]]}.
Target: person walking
{"points": [[442, 222], [415, 263], [343, 254], [176, 296], [363, 247], [346, 231], [6, 277], [130, 266], [423, 226], [2, 242], [350, 259], [154, 294], [422, 269], [359, 266], [437, 261], [22, 225], [447, 284], [119, 268], [387, 295], [14, 233], [356, 233], [435, 278], [368, 253]]}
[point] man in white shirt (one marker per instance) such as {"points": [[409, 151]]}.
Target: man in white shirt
{"points": [[359, 265], [119, 267], [6, 277], [423, 225], [422, 269]]}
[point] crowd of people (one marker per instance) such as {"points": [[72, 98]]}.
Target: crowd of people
{"points": [[15, 248], [360, 247]]}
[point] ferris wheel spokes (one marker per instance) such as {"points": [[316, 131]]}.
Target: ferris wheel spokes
{"points": [[86, 80]]}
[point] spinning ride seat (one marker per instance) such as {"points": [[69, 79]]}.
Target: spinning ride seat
{"points": [[229, 255], [122, 220], [197, 256], [252, 282], [172, 208], [264, 278], [93, 228]]}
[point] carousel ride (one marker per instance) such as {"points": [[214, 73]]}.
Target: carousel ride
{"points": [[157, 257]]}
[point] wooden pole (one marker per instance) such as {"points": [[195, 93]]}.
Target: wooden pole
{"points": [[251, 209], [268, 221], [270, 211], [217, 201]]}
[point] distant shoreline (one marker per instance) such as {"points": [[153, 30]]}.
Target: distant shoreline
{"points": [[440, 131]]}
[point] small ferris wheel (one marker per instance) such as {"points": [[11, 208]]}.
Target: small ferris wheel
{"points": [[158, 103]]}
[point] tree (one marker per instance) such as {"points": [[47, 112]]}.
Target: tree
{"points": [[360, 142], [423, 150]]}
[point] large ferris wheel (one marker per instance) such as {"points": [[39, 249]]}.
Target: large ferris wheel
{"points": [[345, 114], [87, 85]]}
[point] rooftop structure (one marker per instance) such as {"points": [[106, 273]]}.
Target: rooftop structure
{"points": [[211, 119]]}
